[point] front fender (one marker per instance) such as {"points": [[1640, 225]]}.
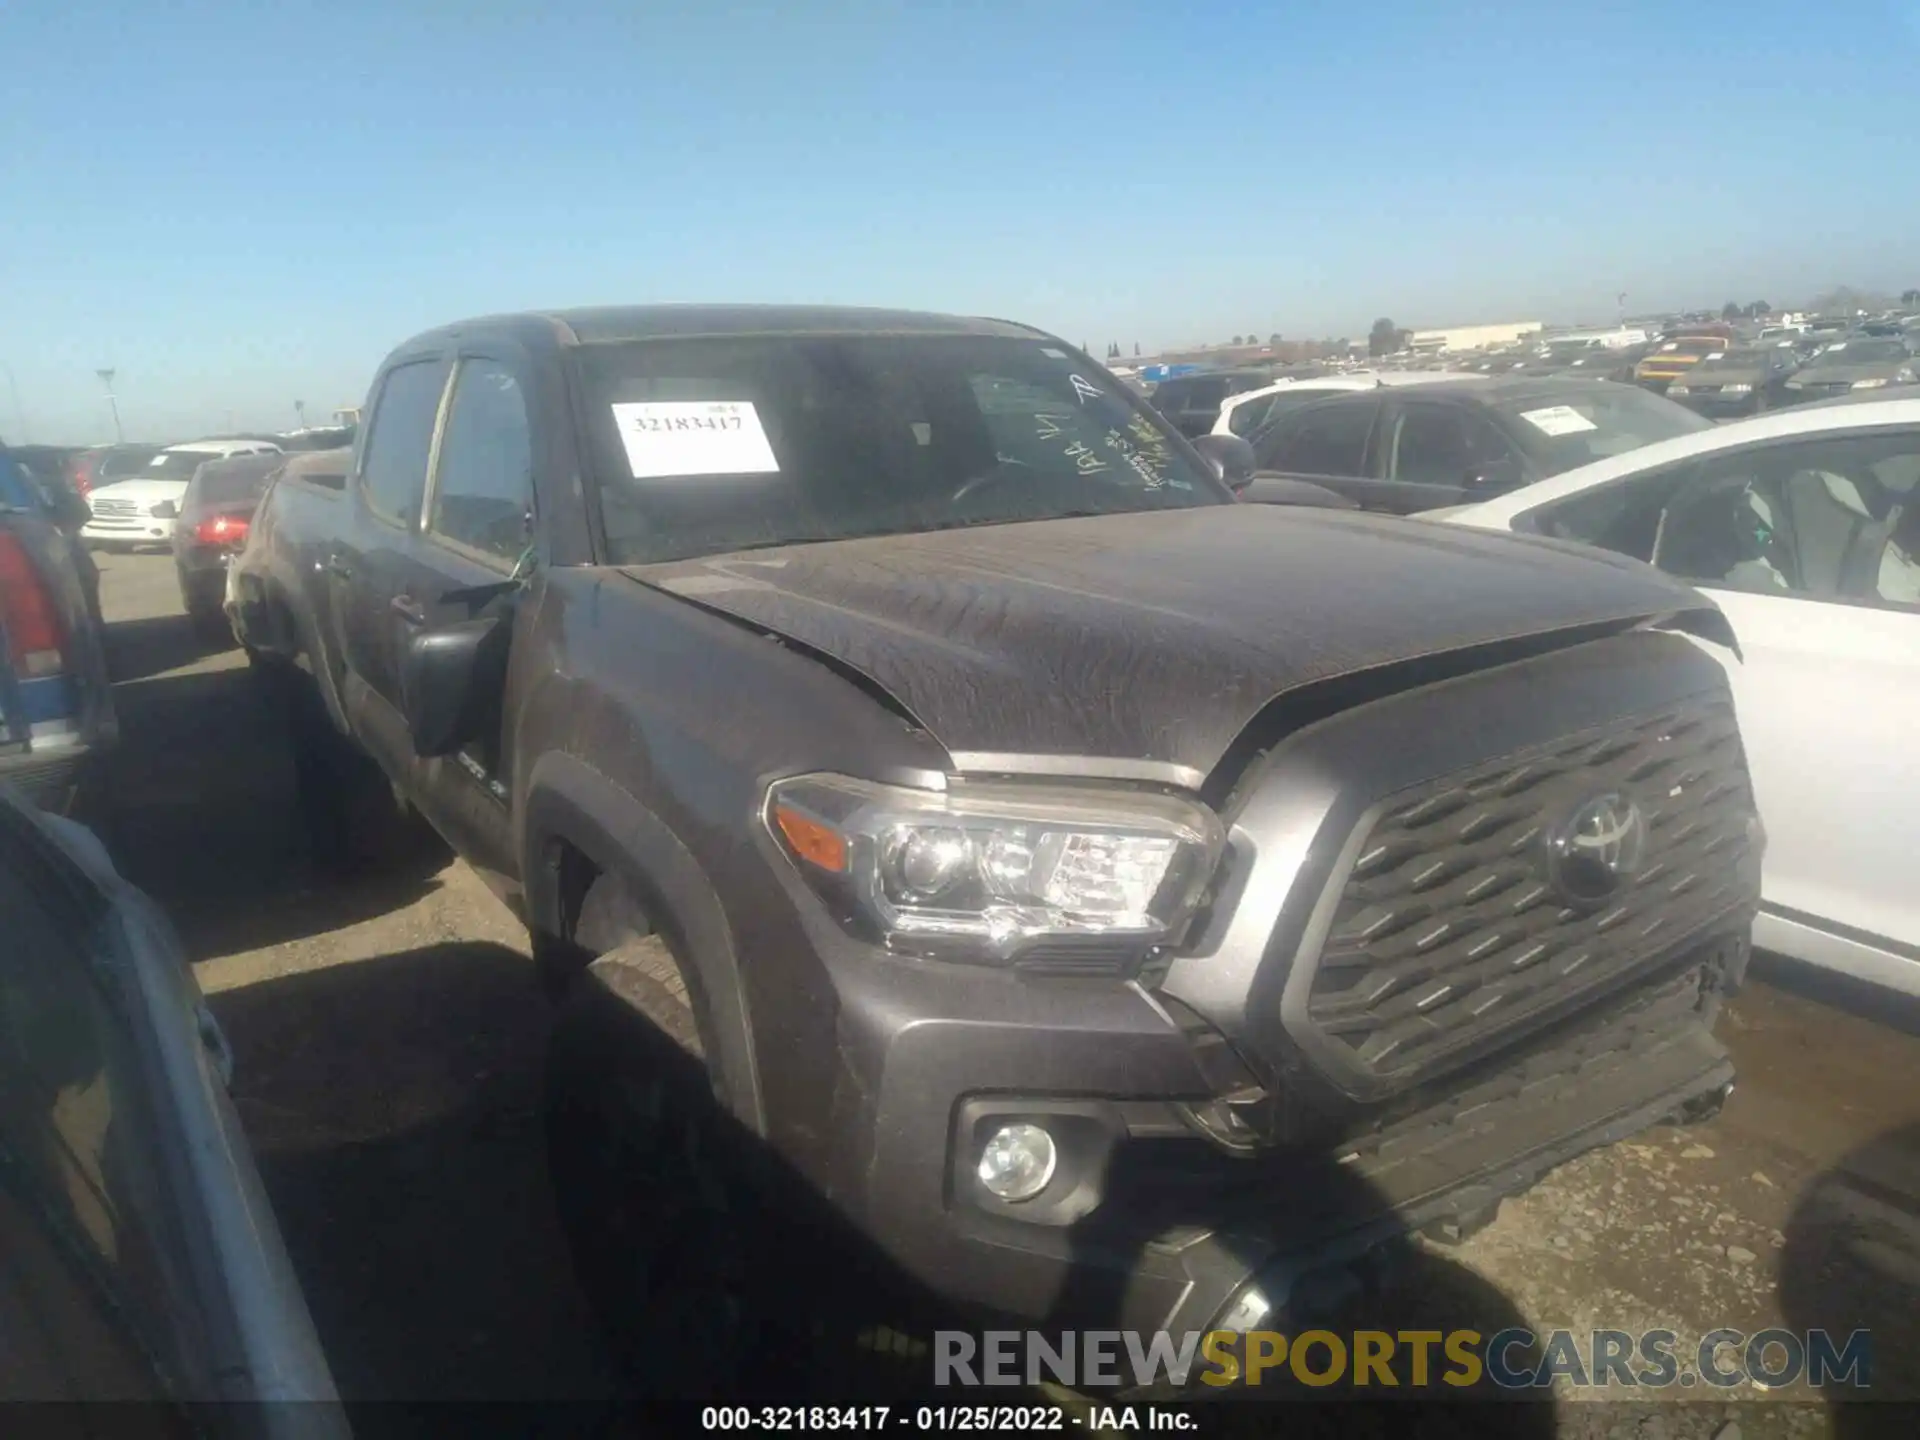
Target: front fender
{"points": [[568, 800]]}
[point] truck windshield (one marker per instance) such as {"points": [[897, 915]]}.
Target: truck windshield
{"points": [[702, 446]]}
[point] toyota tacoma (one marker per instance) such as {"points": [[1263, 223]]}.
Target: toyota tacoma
{"points": [[1113, 902]]}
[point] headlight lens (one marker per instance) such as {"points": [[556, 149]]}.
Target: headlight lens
{"points": [[1739, 387], [165, 510], [1873, 384], [1678, 390], [1796, 384], [981, 871]]}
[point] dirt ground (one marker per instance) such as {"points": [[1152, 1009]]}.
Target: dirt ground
{"points": [[388, 1035]]}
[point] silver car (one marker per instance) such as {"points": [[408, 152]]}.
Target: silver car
{"points": [[142, 1262]]}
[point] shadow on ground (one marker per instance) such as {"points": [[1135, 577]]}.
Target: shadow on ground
{"points": [[393, 1106], [396, 1109], [157, 644], [1852, 1263], [202, 806]]}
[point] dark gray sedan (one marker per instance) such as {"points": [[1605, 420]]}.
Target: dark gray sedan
{"points": [[211, 529], [1855, 363], [1740, 382]]}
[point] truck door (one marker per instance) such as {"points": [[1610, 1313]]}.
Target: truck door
{"points": [[368, 563], [477, 531]]}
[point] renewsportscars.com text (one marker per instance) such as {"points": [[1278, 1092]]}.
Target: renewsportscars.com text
{"points": [[1513, 1359]]}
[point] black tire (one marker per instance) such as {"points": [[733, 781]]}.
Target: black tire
{"points": [[651, 1175], [351, 817], [204, 603]]}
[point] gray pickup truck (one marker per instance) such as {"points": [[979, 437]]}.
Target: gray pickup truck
{"points": [[1109, 901]]}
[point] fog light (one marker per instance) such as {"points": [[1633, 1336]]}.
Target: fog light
{"points": [[1017, 1162]]}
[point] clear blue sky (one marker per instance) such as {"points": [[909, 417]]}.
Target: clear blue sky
{"points": [[240, 204]]}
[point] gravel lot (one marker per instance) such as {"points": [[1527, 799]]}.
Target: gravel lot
{"points": [[388, 1035]]}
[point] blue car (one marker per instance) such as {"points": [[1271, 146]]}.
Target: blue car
{"points": [[56, 702]]}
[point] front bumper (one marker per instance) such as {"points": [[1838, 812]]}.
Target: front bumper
{"points": [[127, 530], [1150, 1224]]}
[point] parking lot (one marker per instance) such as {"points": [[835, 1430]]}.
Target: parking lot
{"points": [[388, 1034]]}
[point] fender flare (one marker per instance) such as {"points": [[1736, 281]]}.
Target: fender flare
{"points": [[568, 800]]}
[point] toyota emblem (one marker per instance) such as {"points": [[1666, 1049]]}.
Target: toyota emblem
{"points": [[1597, 850]]}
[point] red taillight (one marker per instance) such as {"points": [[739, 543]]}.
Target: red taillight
{"points": [[222, 530], [35, 635]]}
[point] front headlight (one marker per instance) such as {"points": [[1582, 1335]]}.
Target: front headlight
{"points": [[1739, 387], [165, 510], [984, 871], [1870, 384], [1678, 390]]}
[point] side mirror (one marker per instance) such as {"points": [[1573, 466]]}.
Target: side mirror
{"points": [[450, 681], [1230, 458]]}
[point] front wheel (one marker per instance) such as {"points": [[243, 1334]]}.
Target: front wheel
{"points": [[673, 1252]]}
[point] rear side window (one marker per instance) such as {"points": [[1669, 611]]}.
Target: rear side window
{"points": [[1329, 439], [393, 471], [483, 489]]}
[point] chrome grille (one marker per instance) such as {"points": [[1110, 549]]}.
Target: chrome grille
{"points": [[116, 508], [1448, 928]]}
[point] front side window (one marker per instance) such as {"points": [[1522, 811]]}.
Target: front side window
{"points": [[1829, 518], [483, 489], [701, 446], [393, 471], [1327, 439]]}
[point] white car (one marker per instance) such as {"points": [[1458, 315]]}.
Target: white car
{"points": [[1245, 413], [1804, 526], [141, 510]]}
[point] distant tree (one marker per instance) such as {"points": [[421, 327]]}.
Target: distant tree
{"points": [[1274, 339], [1239, 340], [1758, 308], [1730, 310], [1383, 337]]}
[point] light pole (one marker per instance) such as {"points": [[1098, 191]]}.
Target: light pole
{"points": [[19, 410], [113, 404]]}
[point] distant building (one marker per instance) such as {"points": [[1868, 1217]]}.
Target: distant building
{"points": [[1472, 337]]}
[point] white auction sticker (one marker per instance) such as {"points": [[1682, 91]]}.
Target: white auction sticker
{"points": [[693, 437], [1558, 420]]}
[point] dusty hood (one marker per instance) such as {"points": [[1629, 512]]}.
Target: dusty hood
{"points": [[1154, 636]]}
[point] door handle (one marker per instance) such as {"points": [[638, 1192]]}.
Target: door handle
{"points": [[408, 609], [339, 568]]}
